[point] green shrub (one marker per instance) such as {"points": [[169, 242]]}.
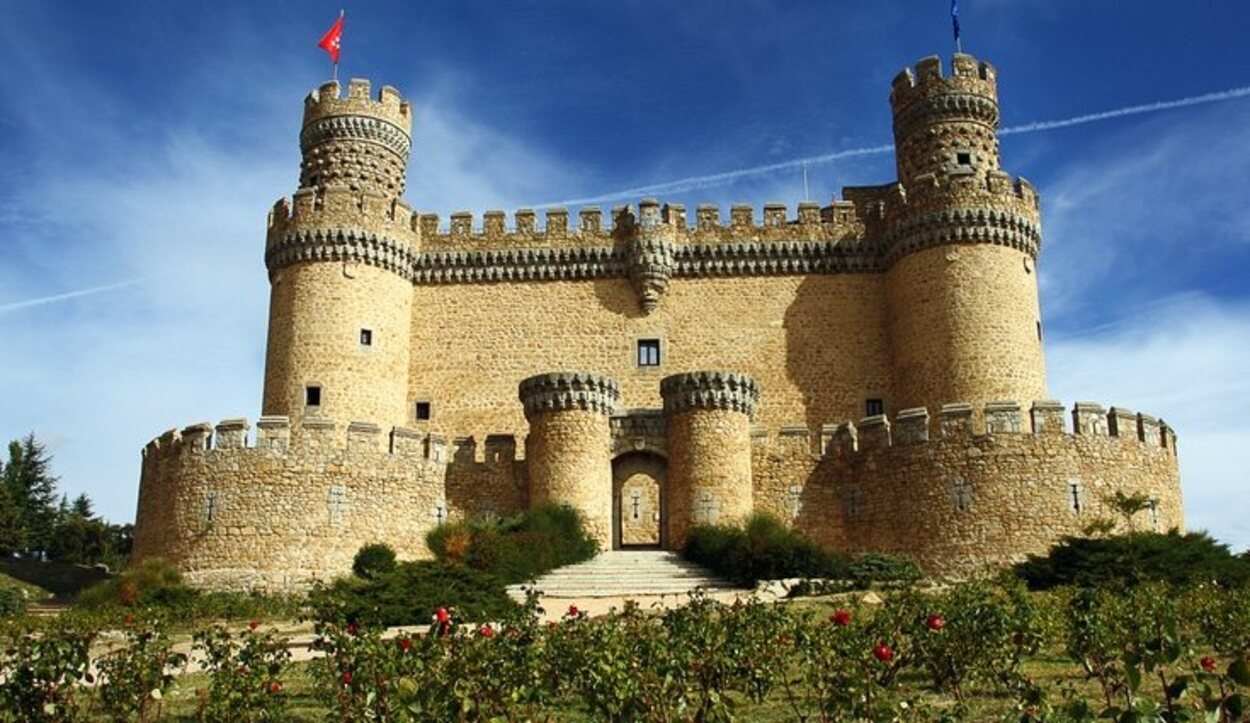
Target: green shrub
{"points": [[874, 568], [411, 593], [246, 675], [134, 678], [373, 560], [43, 674], [151, 581], [763, 549], [12, 601], [517, 549], [1128, 560]]}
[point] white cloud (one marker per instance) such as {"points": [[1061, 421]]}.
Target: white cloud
{"points": [[1182, 359], [1153, 204]]}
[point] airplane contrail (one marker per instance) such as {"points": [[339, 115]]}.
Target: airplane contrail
{"points": [[713, 180], [16, 305]]}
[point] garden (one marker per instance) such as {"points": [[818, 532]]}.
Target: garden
{"points": [[1163, 634]]}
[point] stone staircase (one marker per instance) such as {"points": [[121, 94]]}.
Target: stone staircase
{"points": [[626, 573]]}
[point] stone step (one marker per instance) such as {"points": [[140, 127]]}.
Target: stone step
{"points": [[622, 573]]}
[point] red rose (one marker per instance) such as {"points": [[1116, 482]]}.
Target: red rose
{"points": [[573, 611], [783, 639], [347, 677], [935, 622], [352, 629], [405, 644], [128, 620], [883, 652], [254, 624], [442, 616], [275, 687], [1207, 663], [486, 631], [841, 618]]}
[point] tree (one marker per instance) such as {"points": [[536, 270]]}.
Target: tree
{"points": [[32, 489], [82, 507], [1128, 506], [12, 538]]}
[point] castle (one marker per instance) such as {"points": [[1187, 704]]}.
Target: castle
{"points": [[870, 370]]}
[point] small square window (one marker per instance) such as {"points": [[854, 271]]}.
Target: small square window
{"points": [[312, 396], [648, 352], [423, 411], [963, 159], [873, 407], [366, 337]]}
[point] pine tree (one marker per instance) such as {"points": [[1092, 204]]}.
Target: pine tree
{"points": [[11, 536], [81, 507], [32, 489]]}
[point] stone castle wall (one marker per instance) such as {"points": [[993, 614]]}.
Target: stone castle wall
{"points": [[298, 503], [963, 499], [912, 294]]}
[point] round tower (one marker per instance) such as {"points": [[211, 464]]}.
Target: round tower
{"points": [[339, 258], [568, 449], [709, 449], [962, 240]]}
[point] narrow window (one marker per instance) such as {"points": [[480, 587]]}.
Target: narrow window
{"points": [[312, 396], [1154, 513], [366, 337], [1075, 500], [648, 352], [961, 491], [423, 411], [1039, 330], [873, 407]]}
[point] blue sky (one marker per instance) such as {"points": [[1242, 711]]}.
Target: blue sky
{"points": [[144, 142]]}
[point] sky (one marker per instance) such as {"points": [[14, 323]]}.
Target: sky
{"points": [[144, 142]]}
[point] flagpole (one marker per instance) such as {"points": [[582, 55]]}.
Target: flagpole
{"points": [[336, 62]]}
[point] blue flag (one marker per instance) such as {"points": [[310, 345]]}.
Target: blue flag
{"points": [[955, 18]]}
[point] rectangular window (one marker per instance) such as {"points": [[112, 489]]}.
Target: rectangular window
{"points": [[648, 352], [312, 396], [366, 337], [423, 411], [963, 159], [873, 407]]}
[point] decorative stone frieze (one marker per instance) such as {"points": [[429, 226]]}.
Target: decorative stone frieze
{"points": [[963, 226], [561, 391], [356, 128], [348, 245], [710, 390]]}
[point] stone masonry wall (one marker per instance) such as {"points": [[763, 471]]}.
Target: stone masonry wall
{"points": [[709, 449], [964, 325], [292, 508], [960, 502], [818, 345], [568, 463]]}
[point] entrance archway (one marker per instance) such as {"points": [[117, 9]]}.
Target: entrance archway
{"points": [[638, 501]]}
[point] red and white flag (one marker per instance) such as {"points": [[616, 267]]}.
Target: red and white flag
{"points": [[332, 41]]}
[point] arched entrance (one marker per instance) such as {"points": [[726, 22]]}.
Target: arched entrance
{"points": [[638, 500]]}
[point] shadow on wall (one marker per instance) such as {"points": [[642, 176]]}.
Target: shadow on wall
{"points": [[837, 348]]}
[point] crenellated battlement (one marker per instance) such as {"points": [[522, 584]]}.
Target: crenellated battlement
{"points": [[337, 207], [326, 101], [592, 226], [971, 87], [958, 422], [277, 436]]}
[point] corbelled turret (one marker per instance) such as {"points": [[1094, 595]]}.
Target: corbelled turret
{"points": [[356, 142]]}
